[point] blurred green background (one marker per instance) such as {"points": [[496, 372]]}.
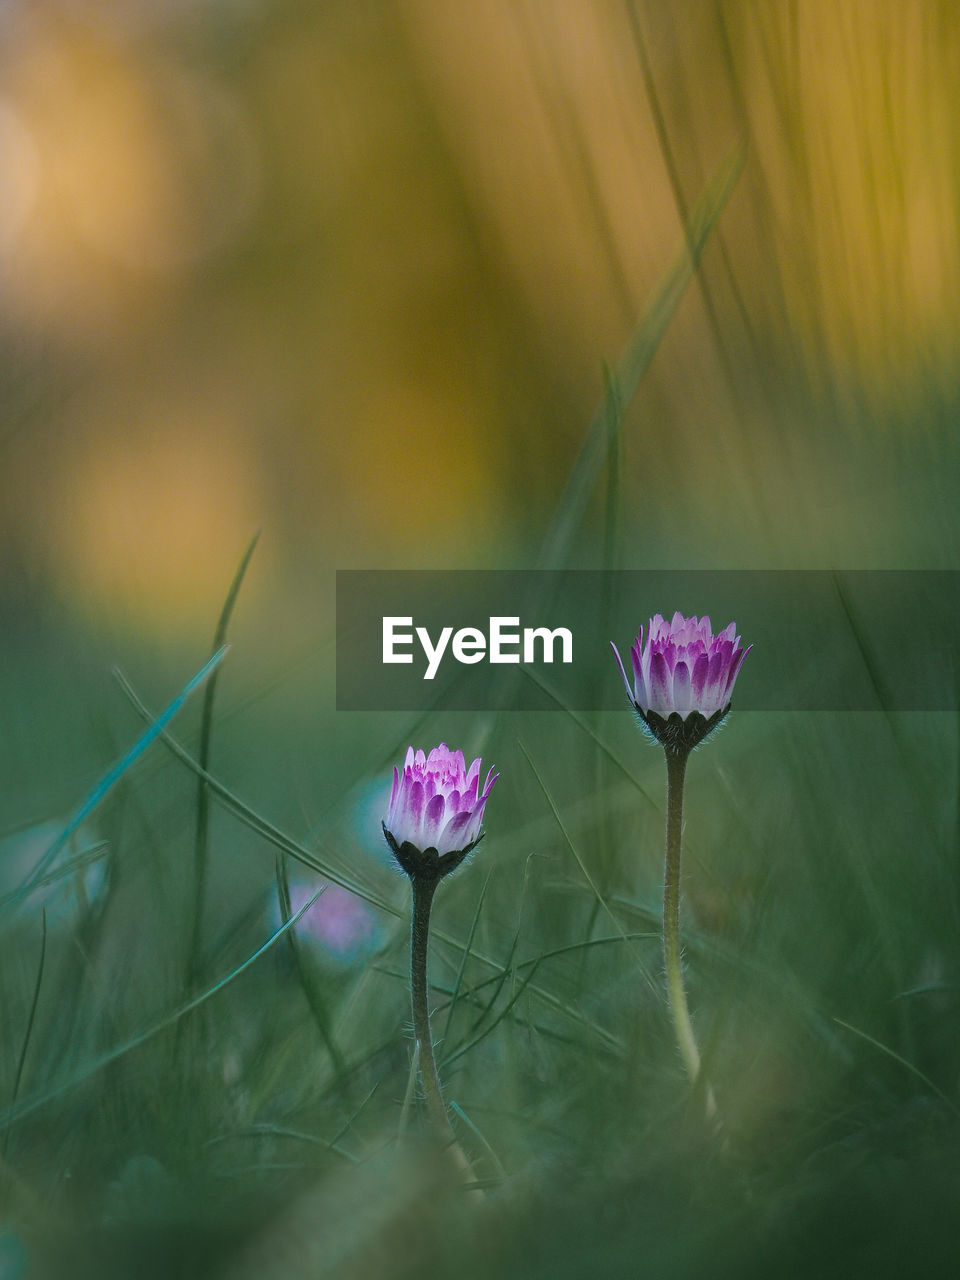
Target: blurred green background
{"points": [[350, 273]]}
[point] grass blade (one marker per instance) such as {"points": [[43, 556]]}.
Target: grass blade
{"points": [[904, 1062], [30, 1021], [504, 1013], [113, 776], [313, 998], [636, 360], [501, 1172], [201, 836], [582, 865], [463, 960], [29, 1105]]}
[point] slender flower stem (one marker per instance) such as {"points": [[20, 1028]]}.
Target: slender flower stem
{"points": [[424, 888], [423, 891], [683, 1027]]}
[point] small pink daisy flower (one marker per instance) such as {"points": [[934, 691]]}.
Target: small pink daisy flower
{"points": [[683, 677], [434, 816]]}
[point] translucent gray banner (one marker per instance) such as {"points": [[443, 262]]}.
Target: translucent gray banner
{"points": [[477, 640]]}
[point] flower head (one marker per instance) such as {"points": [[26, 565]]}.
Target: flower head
{"points": [[435, 812], [683, 677]]}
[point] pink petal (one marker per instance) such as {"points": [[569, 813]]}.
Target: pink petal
{"points": [[468, 797], [488, 785], [636, 663], [433, 819], [661, 699], [681, 689], [713, 688], [414, 803], [636, 660], [735, 669], [622, 672], [452, 836], [699, 679], [643, 693]]}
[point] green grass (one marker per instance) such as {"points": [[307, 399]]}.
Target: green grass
{"points": [[821, 945]]}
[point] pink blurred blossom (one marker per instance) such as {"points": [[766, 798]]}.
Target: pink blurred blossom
{"points": [[339, 924]]}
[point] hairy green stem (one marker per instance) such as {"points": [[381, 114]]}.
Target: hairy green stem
{"points": [[676, 992], [423, 891]]}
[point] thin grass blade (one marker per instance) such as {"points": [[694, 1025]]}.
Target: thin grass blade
{"points": [[113, 776], [202, 828]]}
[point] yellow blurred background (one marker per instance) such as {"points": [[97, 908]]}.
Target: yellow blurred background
{"points": [[350, 272]]}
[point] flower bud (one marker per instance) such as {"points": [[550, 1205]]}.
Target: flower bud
{"points": [[435, 812], [683, 678]]}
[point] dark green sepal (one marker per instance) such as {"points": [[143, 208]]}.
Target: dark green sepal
{"points": [[427, 864], [677, 735]]}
